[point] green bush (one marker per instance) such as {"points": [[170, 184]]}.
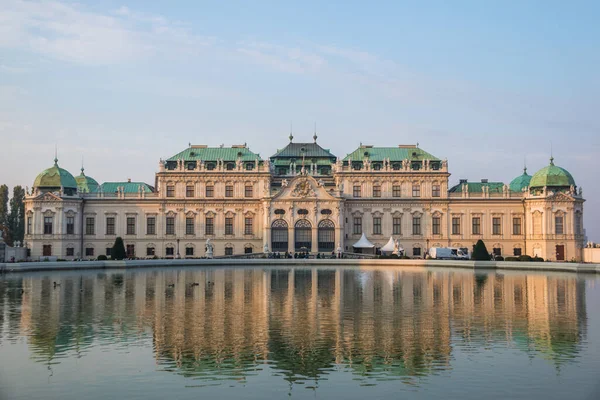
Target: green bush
{"points": [[511, 258], [499, 258], [118, 250], [102, 257], [525, 257], [404, 257], [480, 252], [537, 259]]}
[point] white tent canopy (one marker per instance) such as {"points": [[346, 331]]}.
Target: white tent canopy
{"points": [[389, 246], [363, 243]]}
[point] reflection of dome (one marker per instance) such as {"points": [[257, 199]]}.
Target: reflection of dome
{"points": [[55, 178], [86, 184], [520, 182], [552, 176]]}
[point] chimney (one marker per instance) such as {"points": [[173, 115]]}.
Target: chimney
{"points": [[484, 181]]}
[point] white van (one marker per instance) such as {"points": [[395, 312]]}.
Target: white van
{"points": [[447, 253]]}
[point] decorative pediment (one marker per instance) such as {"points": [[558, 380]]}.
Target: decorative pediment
{"points": [[70, 213], [397, 214], [49, 213], [48, 197], [190, 214], [303, 187], [561, 197], [229, 214], [436, 213], [170, 213]]}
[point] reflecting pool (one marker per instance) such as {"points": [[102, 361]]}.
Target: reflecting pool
{"points": [[274, 333]]}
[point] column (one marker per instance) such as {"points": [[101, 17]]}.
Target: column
{"points": [[315, 243], [291, 237]]}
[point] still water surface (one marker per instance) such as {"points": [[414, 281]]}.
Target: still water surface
{"points": [[301, 333]]}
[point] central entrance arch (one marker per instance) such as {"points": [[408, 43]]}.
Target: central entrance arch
{"points": [[326, 235], [303, 235], [279, 235]]}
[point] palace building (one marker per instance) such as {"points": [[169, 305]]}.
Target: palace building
{"points": [[302, 198]]}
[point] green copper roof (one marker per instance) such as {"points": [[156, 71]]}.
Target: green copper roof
{"points": [[86, 184], [55, 177], [195, 153], [477, 187], [520, 182], [393, 153], [552, 176], [308, 150], [129, 187]]}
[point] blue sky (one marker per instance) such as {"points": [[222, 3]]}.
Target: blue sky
{"points": [[122, 84]]}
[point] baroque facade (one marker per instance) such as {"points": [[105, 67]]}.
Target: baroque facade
{"points": [[303, 198]]}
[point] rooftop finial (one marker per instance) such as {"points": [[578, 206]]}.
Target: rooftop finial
{"points": [[55, 154], [551, 155], [291, 130], [315, 135], [82, 166], [525, 165]]}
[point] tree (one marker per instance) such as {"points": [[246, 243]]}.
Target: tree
{"points": [[16, 218], [4, 212], [118, 250], [480, 252]]}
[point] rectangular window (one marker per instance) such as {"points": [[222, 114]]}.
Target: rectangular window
{"points": [[47, 250], [130, 250], [209, 228], [170, 191], [376, 191], [89, 225], [70, 225], [108, 251], [476, 225], [248, 229], [151, 226], [170, 251], [397, 226], [417, 251], [150, 251], [357, 226], [356, 191], [229, 191], [396, 190], [110, 225], [376, 225], [577, 223], [89, 251], [189, 226], [131, 225], [416, 225], [210, 191], [496, 226], [189, 251], [29, 225], [170, 226], [497, 251], [70, 251], [229, 225], [435, 191], [189, 191], [435, 225], [456, 225], [228, 251], [516, 226], [517, 251], [47, 225], [248, 191], [416, 190], [558, 224]]}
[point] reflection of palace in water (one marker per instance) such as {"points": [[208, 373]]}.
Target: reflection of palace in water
{"points": [[302, 322]]}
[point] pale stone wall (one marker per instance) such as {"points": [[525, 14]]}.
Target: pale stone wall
{"points": [[591, 255]]}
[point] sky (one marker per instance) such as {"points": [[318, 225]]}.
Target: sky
{"points": [[122, 84]]}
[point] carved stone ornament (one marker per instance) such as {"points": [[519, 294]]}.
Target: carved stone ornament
{"points": [[303, 189]]}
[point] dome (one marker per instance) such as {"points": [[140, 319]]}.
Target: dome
{"points": [[552, 176], [55, 177], [86, 184], [520, 182]]}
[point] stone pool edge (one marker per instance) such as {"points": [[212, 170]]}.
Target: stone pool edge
{"points": [[474, 265]]}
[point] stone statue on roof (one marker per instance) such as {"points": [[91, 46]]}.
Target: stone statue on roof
{"points": [[284, 183]]}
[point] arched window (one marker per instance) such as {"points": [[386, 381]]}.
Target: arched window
{"points": [[326, 235], [303, 235], [279, 235]]}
